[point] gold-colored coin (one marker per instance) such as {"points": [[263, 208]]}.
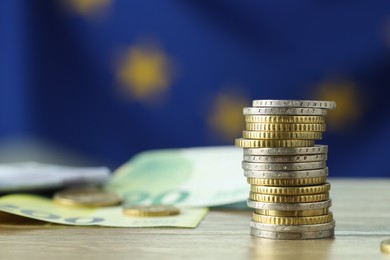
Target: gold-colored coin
{"points": [[287, 182], [87, 198], [251, 143], [285, 119], [286, 127], [288, 199], [281, 135], [385, 246], [291, 190], [314, 220], [151, 211], [298, 213]]}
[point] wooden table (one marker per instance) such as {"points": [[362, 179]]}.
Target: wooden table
{"points": [[361, 208]]}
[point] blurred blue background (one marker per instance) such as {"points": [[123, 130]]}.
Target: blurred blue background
{"points": [[97, 81]]}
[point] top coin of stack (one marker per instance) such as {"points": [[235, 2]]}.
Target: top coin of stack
{"points": [[286, 170]]}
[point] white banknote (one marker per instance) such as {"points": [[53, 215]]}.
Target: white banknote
{"points": [[36, 176]]}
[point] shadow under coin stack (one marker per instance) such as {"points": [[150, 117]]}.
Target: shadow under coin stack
{"points": [[286, 170]]}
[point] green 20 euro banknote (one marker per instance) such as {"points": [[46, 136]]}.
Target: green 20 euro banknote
{"points": [[191, 179], [39, 208]]}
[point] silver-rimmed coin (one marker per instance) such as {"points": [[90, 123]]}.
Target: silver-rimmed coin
{"points": [[286, 158], [287, 174], [292, 235], [285, 111], [318, 148], [293, 228], [282, 166], [289, 206], [294, 103]]}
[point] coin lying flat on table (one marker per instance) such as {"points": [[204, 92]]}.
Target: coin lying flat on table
{"points": [[293, 220], [287, 182], [289, 206], [253, 143], [293, 228], [316, 189], [292, 235], [385, 246], [294, 103], [300, 213], [316, 149], [285, 111], [285, 127], [285, 119], [281, 135], [287, 174], [286, 158], [87, 198], [257, 166], [151, 211], [288, 199]]}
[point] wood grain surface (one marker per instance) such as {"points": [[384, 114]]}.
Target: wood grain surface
{"points": [[361, 208]]}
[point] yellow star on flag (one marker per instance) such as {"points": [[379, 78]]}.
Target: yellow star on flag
{"points": [[145, 72], [226, 118], [87, 7], [348, 102]]}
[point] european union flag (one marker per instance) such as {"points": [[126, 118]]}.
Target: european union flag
{"points": [[107, 79]]}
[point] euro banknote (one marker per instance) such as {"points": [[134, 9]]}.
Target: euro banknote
{"points": [[189, 177], [44, 209], [29, 176]]}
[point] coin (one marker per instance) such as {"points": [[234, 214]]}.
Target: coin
{"points": [[316, 189], [285, 127], [316, 149], [293, 220], [294, 103], [293, 228], [300, 213], [150, 211], [252, 143], [385, 246], [286, 158], [292, 235], [285, 119], [281, 135], [289, 206], [287, 182], [288, 199], [283, 166], [285, 111], [87, 198], [287, 174]]}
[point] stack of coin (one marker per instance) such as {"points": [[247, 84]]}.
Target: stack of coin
{"points": [[286, 170]]}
